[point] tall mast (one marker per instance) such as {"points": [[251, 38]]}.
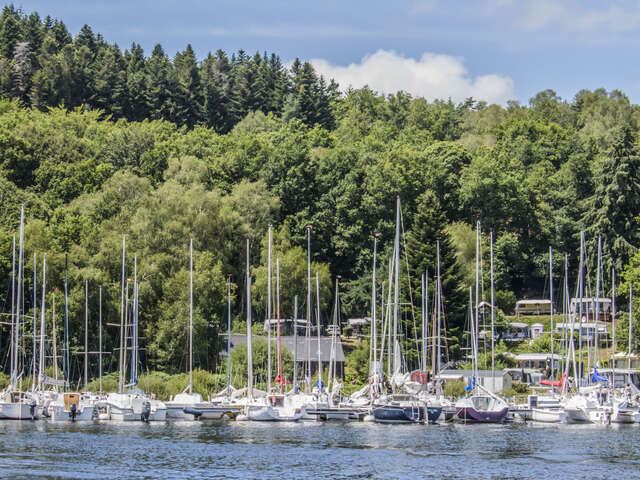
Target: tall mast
{"points": [[581, 295], [308, 333], [438, 308], [122, 287], [493, 346], [191, 316], [249, 348], [18, 296], [613, 320], [228, 335], [425, 316], [99, 336], [332, 365], [318, 327], [388, 313], [134, 324], [396, 292], [53, 334], [42, 327], [373, 348], [280, 377], [630, 321], [295, 342], [474, 359], [66, 366], [477, 289], [35, 309], [86, 332], [13, 306], [595, 361], [553, 376], [269, 314]]}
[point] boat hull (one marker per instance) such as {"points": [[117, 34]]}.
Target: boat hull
{"points": [[267, 413], [405, 414], [59, 414], [18, 411], [543, 415], [471, 415]]}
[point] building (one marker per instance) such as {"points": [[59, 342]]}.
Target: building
{"points": [[588, 307], [586, 331], [303, 351], [286, 326], [537, 329], [622, 360], [516, 332], [536, 360], [486, 378], [533, 307]]}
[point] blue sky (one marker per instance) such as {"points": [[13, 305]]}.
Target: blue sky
{"points": [[489, 49]]}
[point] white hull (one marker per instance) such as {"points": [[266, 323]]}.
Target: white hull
{"points": [[577, 415], [267, 413], [59, 414], [625, 416], [17, 411], [548, 415]]}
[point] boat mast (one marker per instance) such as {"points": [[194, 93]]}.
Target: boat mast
{"points": [[269, 315], [99, 336], [249, 348], [18, 296], [53, 334], [332, 364], [66, 366], [35, 309], [553, 376], [228, 335], [493, 345], [613, 321], [86, 332], [13, 306], [598, 268], [474, 360], [581, 295], [396, 292], [476, 330], [295, 343], [425, 320], [191, 315], [439, 309], [630, 322], [318, 327], [134, 324], [122, 287], [42, 327], [308, 333], [280, 377], [373, 347]]}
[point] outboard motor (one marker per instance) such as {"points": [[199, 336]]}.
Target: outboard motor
{"points": [[73, 411], [146, 412], [32, 409]]}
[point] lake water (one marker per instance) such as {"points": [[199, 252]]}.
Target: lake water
{"points": [[238, 450]]}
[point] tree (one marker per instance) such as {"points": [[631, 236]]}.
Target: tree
{"points": [[615, 204], [428, 228]]}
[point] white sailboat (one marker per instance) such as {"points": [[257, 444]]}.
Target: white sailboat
{"points": [[14, 404], [270, 408]]}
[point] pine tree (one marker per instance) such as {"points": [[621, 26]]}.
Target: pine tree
{"points": [[135, 83], [613, 209], [159, 85], [188, 94], [9, 31]]}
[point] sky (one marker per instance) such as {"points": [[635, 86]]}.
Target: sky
{"points": [[491, 50]]}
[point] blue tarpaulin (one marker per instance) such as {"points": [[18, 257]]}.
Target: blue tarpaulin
{"points": [[595, 378], [472, 384]]}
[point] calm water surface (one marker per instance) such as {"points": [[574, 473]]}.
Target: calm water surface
{"points": [[238, 450]]}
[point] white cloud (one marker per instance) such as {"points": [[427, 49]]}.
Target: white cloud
{"points": [[433, 76]]}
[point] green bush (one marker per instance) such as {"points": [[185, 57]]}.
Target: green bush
{"points": [[454, 389]]}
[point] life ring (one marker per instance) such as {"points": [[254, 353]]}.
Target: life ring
{"points": [[419, 377]]}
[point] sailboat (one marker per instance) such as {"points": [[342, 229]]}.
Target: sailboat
{"points": [[133, 404], [400, 406], [271, 408], [15, 404], [189, 405], [480, 405]]}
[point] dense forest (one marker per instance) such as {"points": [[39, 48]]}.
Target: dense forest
{"points": [[100, 143]]}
